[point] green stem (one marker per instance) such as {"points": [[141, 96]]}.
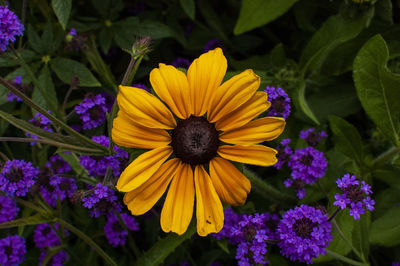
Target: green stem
{"points": [[54, 119], [345, 259], [335, 225], [266, 190], [386, 156], [88, 241], [30, 205]]}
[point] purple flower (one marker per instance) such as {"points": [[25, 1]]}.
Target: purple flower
{"points": [[10, 26], [280, 102], [354, 196], [41, 121], [72, 32], [212, 44], [45, 236], [58, 259], [8, 209], [56, 188], [141, 86], [102, 200], [18, 84], [74, 41], [181, 62], [116, 232], [231, 219], [58, 165], [97, 165], [17, 176], [92, 111], [304, 233], [312, 137], [284, 153], [12, 250]]}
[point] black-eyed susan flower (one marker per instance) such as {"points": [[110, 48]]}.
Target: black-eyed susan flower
{"points": [[192, 131]]}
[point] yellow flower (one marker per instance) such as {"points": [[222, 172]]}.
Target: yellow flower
{"points": [[192, 133]]}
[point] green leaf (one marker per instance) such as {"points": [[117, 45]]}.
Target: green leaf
{"points": [[189, 7], [66, 69], [385, 230], [335, 31], [30, 220], [46, 82], [73, 161], [34, 40], [165, 246], [105, 39], [62, 9], [361, 234], [377, 87], [347, 139], [255, 13], [301, 102]]}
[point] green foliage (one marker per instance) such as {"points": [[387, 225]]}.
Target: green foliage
{"points": [[62, 9]]}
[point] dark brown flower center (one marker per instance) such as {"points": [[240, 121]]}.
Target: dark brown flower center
{"points": [[303, 227], [195, 140]]}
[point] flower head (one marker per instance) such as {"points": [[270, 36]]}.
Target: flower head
{"points": [[58, 259], [308, 164], [57, 188], [8, 209], [12, 250], [304, 233], [284, 153], [10, 26], [92, 111], [312, 137], [210, 115], [58, 165], [102, 200], [116, 232], [45, 236], [17, 176], [280, 102], [354, 196]]}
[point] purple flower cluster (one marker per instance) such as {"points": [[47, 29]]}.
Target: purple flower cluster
{"points": [[97, 166], [74, 41], [8, 209], [280, 102], [355, 196], [10, 26], [41, 121], [92, 111], [212, 44], [311, 137], [284, 153], [17, 176], [250, 233], [181, 62], [102, 200], [307, 165], [56, 188], [12, 250], [115, 231], [58, 259], [58, 165], [16, 83], [304, 233]]}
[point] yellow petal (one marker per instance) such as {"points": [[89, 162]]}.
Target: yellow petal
{"points": [[172, 86], [205, 75], [231, 185], [254, 154], [126, 133], [263, 129], [209, 211], [144, 108], [177, 211], [144, 197], [257, 104], [232, 94], [142, 168]]}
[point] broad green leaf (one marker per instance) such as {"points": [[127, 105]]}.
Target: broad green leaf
{"points": [[299, 99], [361, 234], [346, 224], [385, 230], [347, 139], [62, 9], [30, 220], [165, 246], [105, 39], [384, 10], [255, 13], [335, 31], [66, 69], [189, 7], [378, 89], [46, 82], [34, 40]]}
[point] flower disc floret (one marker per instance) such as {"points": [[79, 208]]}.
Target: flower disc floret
{"points": [[17, 176], [304, 233]]}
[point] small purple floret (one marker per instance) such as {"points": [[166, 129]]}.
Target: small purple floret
{"points": [[17, 176], [12, 250], [10, 26], [311, 137], [8, 209], [92, 111], [280, 102], [116, 232]]}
